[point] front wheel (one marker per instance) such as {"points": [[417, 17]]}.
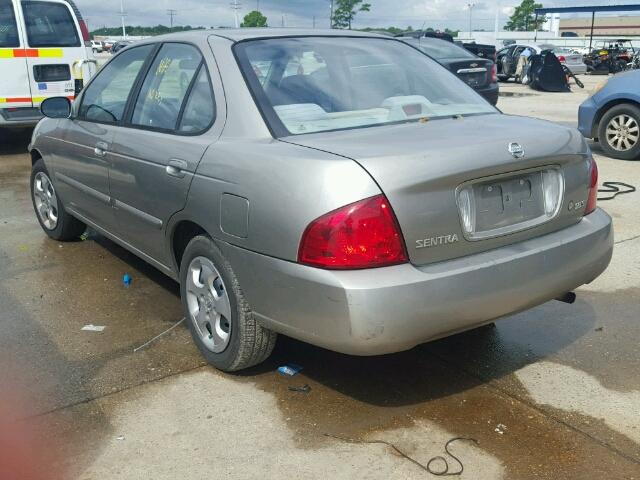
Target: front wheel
{"points": [[619, 132], [53, 218], [220, 320]]}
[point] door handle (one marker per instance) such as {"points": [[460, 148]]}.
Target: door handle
{"points": [[176, 168], [101, 149]]}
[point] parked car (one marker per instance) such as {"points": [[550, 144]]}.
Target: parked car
{"points": [[96, 46], [355, 195], [507, 57], [478, 73], [480, 50], [40, 41], [611, 115], [122, 44], [573, 61]]}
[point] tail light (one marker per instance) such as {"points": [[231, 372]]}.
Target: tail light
{"points": [[494, 73], [361, 235], [593, 189], [561, 58], [84, 30]]}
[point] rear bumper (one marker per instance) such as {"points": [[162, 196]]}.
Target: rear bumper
{"points": [[490, 93], [391, 309], [19, 117], [577, 69]]}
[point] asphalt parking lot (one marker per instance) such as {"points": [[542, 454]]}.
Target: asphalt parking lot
{"points": [[550, 393]]}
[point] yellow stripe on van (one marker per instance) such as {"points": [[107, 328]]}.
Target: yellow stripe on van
{"points": [[50, 53], [31, 53]]}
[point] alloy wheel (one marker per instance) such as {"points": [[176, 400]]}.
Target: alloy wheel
{"points": [[46, 200], [623, 132], [209, 305]]}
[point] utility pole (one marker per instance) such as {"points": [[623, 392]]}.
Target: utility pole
{"points": [[331, 15], [122, 15], [236, 6], [258, 5], [172, 13], [470, 7]]}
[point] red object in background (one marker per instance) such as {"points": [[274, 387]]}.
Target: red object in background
{"points": [[562, 59]]}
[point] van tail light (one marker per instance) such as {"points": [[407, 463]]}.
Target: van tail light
{"points": [[361, 235], [494, 73], [593, 189], [85, 31], [561, 59]]}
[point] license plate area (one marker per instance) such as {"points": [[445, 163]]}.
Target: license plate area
{"points": [[473, 79], [508, 203]]}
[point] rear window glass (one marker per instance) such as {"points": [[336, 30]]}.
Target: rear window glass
{"points": [[50, 25], [8, 30], [441, 49]]}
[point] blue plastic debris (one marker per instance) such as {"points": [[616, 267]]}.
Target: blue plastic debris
{"points": [[289, 370], [126, 279]]}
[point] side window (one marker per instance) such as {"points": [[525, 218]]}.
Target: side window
{"points": [[106, 97], [166, 85], [8, 29], [200, 110], [49, 25]]}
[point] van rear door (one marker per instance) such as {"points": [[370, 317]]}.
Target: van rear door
{"points": [[55, 44], [14, 84]]}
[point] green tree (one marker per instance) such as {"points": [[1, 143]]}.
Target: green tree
{"points": [[345, 11], [254, 19], [523, 18]]}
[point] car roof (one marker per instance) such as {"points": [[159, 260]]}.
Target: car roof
{"points": [[240, 34]]}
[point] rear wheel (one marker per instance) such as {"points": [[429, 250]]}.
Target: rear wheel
{"points": [[53, 218], [220, 319], [619, 132]]}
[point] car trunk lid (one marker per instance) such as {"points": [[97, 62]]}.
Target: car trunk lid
{"points": [[424, 168], [475, 72]]}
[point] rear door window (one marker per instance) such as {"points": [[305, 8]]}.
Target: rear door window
{"points": [[49, 25], [8, 29], [200, 109], [106, 97], [164, 89]]}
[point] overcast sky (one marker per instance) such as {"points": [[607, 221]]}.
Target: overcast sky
{"points": [[442, 14]]}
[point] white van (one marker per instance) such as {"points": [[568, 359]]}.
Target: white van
{"points": [[45, 51]]}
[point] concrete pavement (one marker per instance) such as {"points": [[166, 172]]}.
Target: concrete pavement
{"points": [[549, 393]]}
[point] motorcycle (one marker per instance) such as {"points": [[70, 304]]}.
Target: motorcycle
{"points": [[634, 63], [603, 62]]}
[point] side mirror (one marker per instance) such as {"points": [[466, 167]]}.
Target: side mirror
{"points": [[56, 107]]}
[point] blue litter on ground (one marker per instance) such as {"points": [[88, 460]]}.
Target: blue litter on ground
{"points": [[126, 279], [289, 370]]}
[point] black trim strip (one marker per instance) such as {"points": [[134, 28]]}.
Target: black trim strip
{"points": [[84, 189], [150, 219]]}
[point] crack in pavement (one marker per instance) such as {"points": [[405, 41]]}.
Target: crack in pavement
{"points": [[627, 240]]}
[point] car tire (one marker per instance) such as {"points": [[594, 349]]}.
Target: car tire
{"points": [[51, 214], [626, 117], [224, 330]]}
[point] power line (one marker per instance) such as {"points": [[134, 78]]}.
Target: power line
{"points": [[172, 13]]}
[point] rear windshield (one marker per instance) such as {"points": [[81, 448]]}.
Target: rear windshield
{"points": [[8, 29], [50, 25], [441, 49], [313, 84]]}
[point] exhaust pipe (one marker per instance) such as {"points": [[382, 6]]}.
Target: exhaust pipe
{"points": [[569, 297]]}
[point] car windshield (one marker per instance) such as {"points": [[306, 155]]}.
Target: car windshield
{"points": [[441, 49], [313, 84]]}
